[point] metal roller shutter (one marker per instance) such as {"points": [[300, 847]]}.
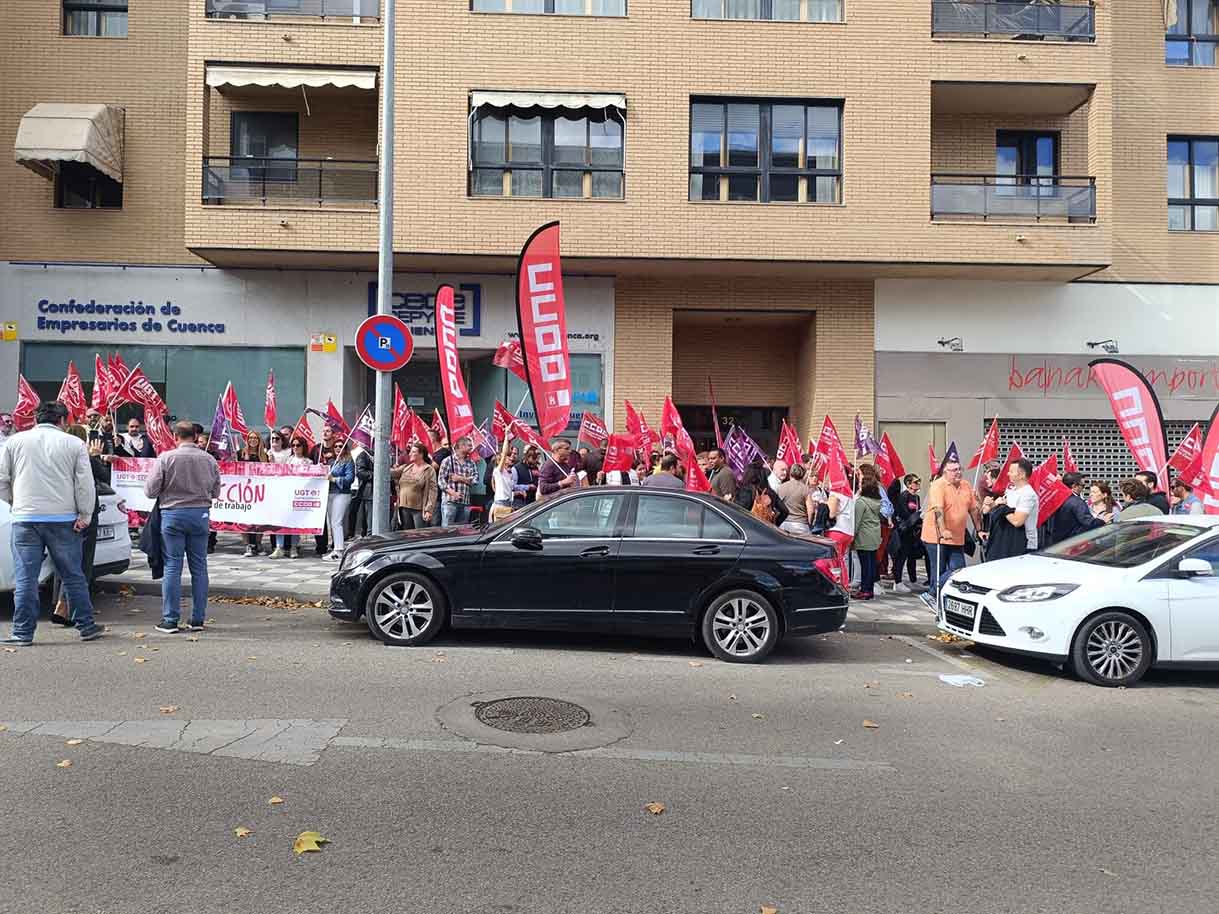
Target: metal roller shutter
{"points": [[1097, 446]]}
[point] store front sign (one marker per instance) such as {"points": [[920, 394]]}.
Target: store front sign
{"points": [[76, 316], [418, 309]]}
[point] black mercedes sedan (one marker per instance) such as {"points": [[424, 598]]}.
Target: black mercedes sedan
{"points": [[622, 559]]}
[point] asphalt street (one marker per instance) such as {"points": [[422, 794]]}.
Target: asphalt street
{"points": [[844, 775]]}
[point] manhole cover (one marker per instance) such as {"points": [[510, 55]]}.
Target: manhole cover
{"points": [[531, 715]]}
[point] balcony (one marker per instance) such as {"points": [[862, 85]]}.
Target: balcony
{"points": [[1025, 21], [281, 182], [1013, 198], [354, 10]]}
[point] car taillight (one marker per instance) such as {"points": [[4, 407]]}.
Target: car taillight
{"points": [[831, 569]]}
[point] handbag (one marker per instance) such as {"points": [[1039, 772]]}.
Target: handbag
{"points": [[970, 545], [762, 509]]}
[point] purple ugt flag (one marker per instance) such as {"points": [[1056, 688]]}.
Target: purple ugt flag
{"points": [[486, 444], [864, 442], [364, 429], [741, 451], [218, 443]]}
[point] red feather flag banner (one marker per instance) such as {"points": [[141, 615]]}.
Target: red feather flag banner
{"points": [[72, 394], [1208, 486], [100, 400], [1050, 489], [1138, 414], [1187, 458], [1068, 459], [456, 399], [542, 318], [988, 450]]}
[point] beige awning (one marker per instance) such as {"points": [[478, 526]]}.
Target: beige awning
{"points": [[549, 100], [53, 133], [291, 77]]}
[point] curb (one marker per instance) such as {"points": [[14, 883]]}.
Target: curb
{"points": [[889, 628], [153, 588]]}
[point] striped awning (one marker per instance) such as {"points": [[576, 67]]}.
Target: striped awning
{"points": [[291, 77], [51, 133]]}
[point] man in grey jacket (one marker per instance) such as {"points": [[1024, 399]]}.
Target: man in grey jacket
{"points": [[46, 477], [184, 481]]}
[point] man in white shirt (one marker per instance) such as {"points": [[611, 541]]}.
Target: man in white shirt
{"points": [[1022, 499]]}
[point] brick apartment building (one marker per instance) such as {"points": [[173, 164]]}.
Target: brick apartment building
{"points": [[923, 212]]}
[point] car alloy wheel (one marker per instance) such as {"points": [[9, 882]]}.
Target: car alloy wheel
{"points": [[1112, 649], [740, 627], [405, 609]]}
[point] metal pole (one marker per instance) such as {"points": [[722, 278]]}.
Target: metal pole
{"points": [[385, 274]]}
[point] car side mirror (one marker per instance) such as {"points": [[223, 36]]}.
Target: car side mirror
{"points": [[1195, 568], [531, 538]]}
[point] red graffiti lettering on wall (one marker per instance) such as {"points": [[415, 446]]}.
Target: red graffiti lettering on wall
{"points": [[1048, 376]]}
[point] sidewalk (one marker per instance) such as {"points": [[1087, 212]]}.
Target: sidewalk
{"points": [[307, 579]]}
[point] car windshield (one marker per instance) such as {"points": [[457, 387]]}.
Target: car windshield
{"points": [[1124, 545]]}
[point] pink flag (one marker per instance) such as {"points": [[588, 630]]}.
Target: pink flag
{"points": [[72, 394], [828, 442], [1187, 458], [269, 406], [1209, 485]]}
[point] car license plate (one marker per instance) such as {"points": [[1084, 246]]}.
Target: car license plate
{"points": [[960, 607], [105, 533]]}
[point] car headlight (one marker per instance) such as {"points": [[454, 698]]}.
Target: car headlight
{"points": [[354, 558], [1036, 593]]}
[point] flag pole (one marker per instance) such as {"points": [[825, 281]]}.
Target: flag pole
{"points": [[385, 275]]}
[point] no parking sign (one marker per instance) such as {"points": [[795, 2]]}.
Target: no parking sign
{"points": [[384, 343]]}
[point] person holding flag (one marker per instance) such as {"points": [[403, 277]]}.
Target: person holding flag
{"points": [[418, 493], [951, 504], [1017, 508]]}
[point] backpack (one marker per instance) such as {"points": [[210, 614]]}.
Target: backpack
{"points": [[762, 508]]}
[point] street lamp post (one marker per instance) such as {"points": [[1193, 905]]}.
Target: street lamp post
{"points": [[385, 273]]}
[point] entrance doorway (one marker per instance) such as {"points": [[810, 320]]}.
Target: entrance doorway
{"points": [[911, 439], [762, 423]]}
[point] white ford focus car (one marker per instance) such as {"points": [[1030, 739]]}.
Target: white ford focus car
{"points": [[1110, 603]]}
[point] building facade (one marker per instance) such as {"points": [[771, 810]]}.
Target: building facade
{"points": [[790, 202]]}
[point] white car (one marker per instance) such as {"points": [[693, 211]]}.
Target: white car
{"points": [[112, 556], [1109, 604]]}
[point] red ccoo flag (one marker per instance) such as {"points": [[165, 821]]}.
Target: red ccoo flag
{"points": [[593, 430], [637, 425], [27, 405], [232, 410], [509, 355], [619, 453], [101, 386], [988, 450], [1051, 491], [789, 445], [419, 430], [1068, 459], [269, 406], [1187, 458], [302, 430], [1002, 480], [72, 394]]}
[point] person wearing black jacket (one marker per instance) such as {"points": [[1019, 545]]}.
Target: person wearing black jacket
{"points": [[1005, 541], [1157, 498], [359, 512], [906, 542], [101, 486], [1072, 517], [753, 484]]}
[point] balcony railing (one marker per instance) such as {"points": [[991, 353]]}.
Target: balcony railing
{"points": [[1035, 198], [289, 182], [1028, 20], [312, 9]]}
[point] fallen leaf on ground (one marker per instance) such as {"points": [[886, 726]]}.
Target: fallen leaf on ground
{"points": [[905, 694], [655, 808], [3, 727], [275, 801], [10, 650], [74, 742], [440, 658], [696, 663], [871, 725], [122, 653], [251, 658], [242, 832], [193, 638], [66, 763], [168, 709], [872, 684], [138, 635], [946, 638], [759, 716], [308, 841], [768, 910], [154, 649], [141, 659]]}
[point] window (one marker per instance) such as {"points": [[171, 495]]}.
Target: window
{"points": [[774, 10], [1208, 552], [552, 7], [537, 152], [80, 186], [583, 518], [1124, 545], [257, 136], [659, 517], [99, 18], [1026, 157], [1193, 33], [769, 152], [1193, 184]]}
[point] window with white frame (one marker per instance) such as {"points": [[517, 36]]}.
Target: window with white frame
{"points": [[552, 7], [772, 10], [539, 152]]}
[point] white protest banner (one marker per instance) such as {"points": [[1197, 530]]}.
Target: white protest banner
{"points": [[254, 497]]}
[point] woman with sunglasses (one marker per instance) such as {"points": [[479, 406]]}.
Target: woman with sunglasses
{"points": [[286, 544], [279, 452], [254, 450]]}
